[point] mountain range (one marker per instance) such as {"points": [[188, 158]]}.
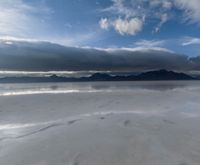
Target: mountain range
{"points": [[145, 76]]}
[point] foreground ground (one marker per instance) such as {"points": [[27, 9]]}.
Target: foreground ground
{"points": [[140, 123]]}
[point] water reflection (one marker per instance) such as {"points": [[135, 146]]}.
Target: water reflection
{"points": [[150, 85], [88, 87]]}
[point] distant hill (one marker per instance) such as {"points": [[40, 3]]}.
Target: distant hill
{"points": [[146, 76], [164, 75]]}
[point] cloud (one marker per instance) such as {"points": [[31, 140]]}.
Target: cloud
{"points": [[167, 5], [119, 8], [104, 23], [46, 56], [157, 11], [129, 22], [196, 63], [18, 18], [40, 21], [128, 13], [191, 9], [132, 26], [191, 41], [123, 26], [149, 43], [163, 19]]}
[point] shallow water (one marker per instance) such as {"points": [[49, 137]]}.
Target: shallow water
{"points": [[94, 86], [140, 123]]}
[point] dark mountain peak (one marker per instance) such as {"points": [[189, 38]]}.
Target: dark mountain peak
{"points": [[162, 71], [54, 76], [100, 76], [164, 74]]}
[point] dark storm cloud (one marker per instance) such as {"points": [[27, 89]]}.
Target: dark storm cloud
{"points": [[45, 56], [195, 63]]}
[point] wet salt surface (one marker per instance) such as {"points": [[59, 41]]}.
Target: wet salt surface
{"points": [[146, 123]]}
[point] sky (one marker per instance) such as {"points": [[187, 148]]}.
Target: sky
{"points": [[159, 25]]}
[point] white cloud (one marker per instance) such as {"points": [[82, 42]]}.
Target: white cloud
{"points": [[150, 43], [154, 10], [120, 8], [191, 41], [123, 26], [9, 40], [167, 5], [132, 26], [23, 21], [138, 49], [130, 15], [104, 23], [18, 18], [163, 19], [154, 3], [191, 9]]}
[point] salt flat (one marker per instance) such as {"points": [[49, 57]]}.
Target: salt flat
{"points": [[102, 123]]}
